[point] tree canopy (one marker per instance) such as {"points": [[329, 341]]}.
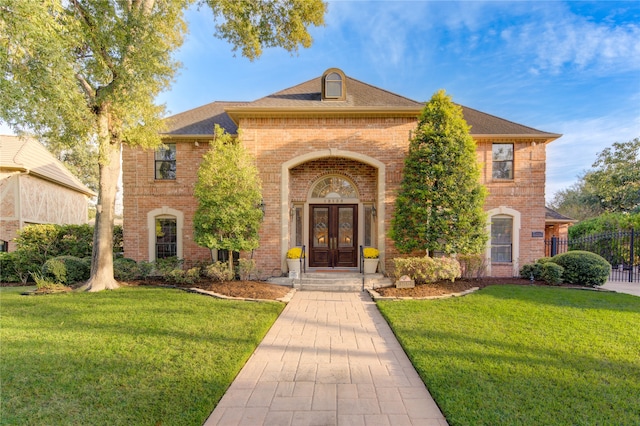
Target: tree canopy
{"points": [[89, 71], [611, 186], [439, 207], [229, 195]]}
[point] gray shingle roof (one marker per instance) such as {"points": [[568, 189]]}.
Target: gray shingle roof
{"points": [[307, 97], [554, 216], [201, 120], [28, 155]]}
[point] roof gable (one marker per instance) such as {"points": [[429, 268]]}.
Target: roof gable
{"points": [[306, 98], [30, 156]]}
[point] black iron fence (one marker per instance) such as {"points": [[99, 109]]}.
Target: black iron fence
{"points": [[620, 248]]}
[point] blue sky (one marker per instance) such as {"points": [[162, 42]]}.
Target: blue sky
{"points": [[562, 67]]}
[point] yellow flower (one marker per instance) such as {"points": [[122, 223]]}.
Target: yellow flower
{"points": [[371, 253], [294, 253]]}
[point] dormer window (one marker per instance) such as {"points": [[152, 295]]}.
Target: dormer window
{"points": [[333, 85]]}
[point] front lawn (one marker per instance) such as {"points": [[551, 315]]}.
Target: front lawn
{"points": [[133, 356], [524, 355]]}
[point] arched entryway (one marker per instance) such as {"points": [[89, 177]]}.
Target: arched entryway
{"points": [[332, 203], [333, 223]]}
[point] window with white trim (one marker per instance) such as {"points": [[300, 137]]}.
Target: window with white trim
{"points": [[502, 164], [166, 237], [501, 238]]}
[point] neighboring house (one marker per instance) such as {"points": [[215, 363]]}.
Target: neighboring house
{"points": [[36, 188], [556, 225], [330, 152]]}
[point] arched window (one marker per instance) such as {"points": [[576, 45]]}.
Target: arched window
{"points": [[502, 238], [165, 233], [333, 85], [334, 187]]}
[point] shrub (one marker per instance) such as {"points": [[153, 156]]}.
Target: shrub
{"points": [[145, 269], [168, 264], [552, 273], [179, 276], [66, 269], [583, 267], [44, 284], [8, 268], [294, 253], [530, 269], [472, 266], [55, 269], [219, 271], [125, 269], [245, 268], [426, 269]]}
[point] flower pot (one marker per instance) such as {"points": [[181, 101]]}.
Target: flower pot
{"points": [[294, 265], [370, 266]]}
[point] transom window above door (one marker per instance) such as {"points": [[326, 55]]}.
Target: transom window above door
{"points": [[334, 187]]}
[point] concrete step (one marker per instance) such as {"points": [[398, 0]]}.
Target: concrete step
{"points": [[334, 281]]}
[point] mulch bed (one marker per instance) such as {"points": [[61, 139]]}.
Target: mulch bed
{"points": [[267, 291]]}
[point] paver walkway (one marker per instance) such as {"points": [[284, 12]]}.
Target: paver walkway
{"points": [[329, 359]]}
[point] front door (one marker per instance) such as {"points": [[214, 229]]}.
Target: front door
{"points": [[334, 235]]}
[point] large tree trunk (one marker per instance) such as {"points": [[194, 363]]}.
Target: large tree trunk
{"points": [[102, 255]]}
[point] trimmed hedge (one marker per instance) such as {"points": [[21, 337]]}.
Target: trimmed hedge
{"points": [[66, 269], [583, 268]]}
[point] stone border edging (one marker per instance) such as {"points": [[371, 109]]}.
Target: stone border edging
{"points": [[376, 296], [285, 299]]}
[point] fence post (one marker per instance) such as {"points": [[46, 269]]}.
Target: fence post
{"points": [[554, 246], [631, 257]]}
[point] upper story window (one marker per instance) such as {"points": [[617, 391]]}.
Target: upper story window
{"points": [[333, 85], [502, 164], [165, 162]]}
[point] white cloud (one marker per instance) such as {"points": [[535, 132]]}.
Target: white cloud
{"points": [[575, 41]]}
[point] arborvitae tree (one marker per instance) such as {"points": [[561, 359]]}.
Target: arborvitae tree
{"points": [[440, 204], [229, 196]]}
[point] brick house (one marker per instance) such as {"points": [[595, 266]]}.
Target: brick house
{"points": [[36, 188], [330, 153]]}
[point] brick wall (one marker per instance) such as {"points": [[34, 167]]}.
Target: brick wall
{"points": [[276, 140]]}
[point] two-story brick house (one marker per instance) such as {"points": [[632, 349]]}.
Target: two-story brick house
{"points": [[330, 153]]}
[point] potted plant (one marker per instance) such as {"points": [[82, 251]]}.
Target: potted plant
{"points": [[293, 259], [370, 260]]}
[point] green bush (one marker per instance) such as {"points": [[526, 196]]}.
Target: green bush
{"points": [[8, 268], [66, 269], [583, 267], [552, 273], [145, 269], [125, 269], [167, 265], [473, 266], [179, 276], [426, 269], [219, 271], [245, 268]]}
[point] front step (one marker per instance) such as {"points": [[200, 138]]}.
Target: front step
{"points": [[335, 281]]}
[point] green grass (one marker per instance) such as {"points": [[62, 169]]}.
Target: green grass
{"points": [[135, 356], [519, 355]]}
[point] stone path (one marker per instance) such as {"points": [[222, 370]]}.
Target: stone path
{"points": [[329, 359]]}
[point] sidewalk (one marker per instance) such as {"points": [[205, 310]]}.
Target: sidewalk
{"points": [[623, 287], [329, 359]]}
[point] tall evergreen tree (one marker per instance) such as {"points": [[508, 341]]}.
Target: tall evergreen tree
{"points": [[229, 195], [89, 71], [440, 204]]}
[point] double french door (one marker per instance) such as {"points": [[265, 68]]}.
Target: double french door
{"points": [[333, 235]]}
